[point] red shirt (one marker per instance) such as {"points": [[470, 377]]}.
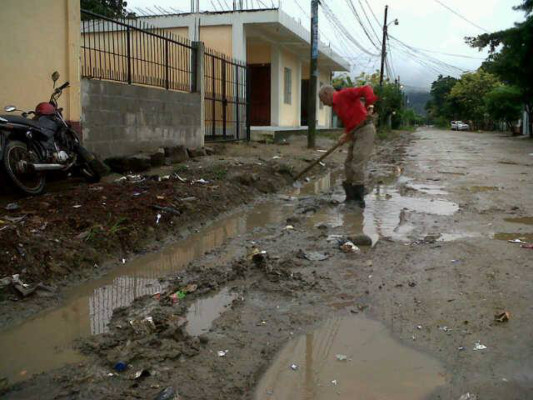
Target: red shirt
{"points": [[349, 108]]}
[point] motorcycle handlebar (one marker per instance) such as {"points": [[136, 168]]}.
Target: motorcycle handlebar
{"points": [[63, 86]]}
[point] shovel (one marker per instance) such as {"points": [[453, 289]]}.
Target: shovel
{"points": [[327, 153]]}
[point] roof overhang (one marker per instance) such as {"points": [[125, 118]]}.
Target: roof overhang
{"points": [[271, 25]]}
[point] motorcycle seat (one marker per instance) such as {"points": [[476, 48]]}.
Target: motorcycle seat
{"points": [[17, 119]]}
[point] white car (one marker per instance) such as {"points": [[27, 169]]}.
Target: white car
{"points": [[459, 126]]}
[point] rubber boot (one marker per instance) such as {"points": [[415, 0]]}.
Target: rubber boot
{"points": [[350, 194], [359, 195]]}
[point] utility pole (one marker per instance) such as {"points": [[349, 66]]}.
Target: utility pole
{"points": [[383, 47], [313, 78]]}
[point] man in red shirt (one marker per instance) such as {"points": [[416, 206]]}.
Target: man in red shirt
{"points": [[359, 131]]}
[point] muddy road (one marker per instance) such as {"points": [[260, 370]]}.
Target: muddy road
{"points": [[262, 302]]}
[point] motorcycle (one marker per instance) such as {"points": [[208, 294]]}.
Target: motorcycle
{"points": [[29, 147]]}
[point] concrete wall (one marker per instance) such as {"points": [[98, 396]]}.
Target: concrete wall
{"points": [[258, 53], [120, 119], [39, 37], [218, 38]]}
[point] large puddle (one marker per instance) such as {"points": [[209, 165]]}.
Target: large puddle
{"points": [[349, 358], [44, 342]]}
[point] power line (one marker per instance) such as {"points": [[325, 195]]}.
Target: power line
{"points": [[356, 14], [369, 22], [461, 16]]}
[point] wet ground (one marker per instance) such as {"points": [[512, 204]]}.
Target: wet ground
{"points": [[410, 317]]}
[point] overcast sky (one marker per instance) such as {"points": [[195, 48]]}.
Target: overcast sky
{"points": [[423, 24]]}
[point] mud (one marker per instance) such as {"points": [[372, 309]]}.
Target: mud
{"points": [[408, 311]]}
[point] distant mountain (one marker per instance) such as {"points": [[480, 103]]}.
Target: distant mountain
{"points": [[417, 100]]}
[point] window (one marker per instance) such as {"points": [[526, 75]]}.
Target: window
{"points": [[287, 87]]}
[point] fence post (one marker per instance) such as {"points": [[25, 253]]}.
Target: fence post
{"points": [[128, 52], [248, 104], [224, 99], [197, 83], [237, 102]]}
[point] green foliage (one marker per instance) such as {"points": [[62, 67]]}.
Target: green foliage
{"points": [[440, 107], [503, 103], [511, 55], [342, 82], [467, 96], [107, 8]]}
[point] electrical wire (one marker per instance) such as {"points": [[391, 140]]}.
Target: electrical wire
{"points": [[460, 16], [358, 17]]}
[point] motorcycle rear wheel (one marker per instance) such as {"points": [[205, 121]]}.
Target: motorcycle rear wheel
{"points": [[28, 183]]}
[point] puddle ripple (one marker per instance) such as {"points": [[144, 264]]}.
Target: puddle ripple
{"points": [[378, 366]]}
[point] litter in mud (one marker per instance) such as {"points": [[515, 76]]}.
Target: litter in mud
{"points": [[468, 396], [334, 382], [504, 316], [120, 366], [177, 296], [527, 246], [143, 373], [168, 393], [516, 241], [294, 367], [158, 218], [289, 228], [222, 353], [341, 357], [201, 181], [479, 346], [313, 255], [12, 207], [349, 247]]}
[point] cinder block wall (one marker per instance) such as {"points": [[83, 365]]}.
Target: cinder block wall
{"points": [[119, 119]]}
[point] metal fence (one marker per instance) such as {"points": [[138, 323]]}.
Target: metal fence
{"points": [[134, 52], [227, 107], [131, 51]]}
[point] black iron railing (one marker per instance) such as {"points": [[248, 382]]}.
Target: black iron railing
{"points": [[134, 52], [226, 83]]}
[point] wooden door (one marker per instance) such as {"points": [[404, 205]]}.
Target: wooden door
{"points": [[260, 94]]}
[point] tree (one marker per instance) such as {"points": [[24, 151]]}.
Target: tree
{"points": [[439, 106], [503, 103], [467, 96], [107, 8], [511, 56]]}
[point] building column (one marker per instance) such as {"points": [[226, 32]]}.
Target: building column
{"points": [[276, 85], [238, 41], [298, 94]]}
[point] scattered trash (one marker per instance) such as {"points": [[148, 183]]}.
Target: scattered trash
{"points": [[341, 357], [294, 367], [143, 326], [322, 151], [289, 228], [143, 373], [179, 295], [192, 198], [527, 246], [313, 255], [419, 327], [158, 217], [201, 181], [123, 261], [77, 206], [276, 157], [461, 348], [517, 241], [455, 261], [479, 346], [286, 198], [349, 247], [445, 329], [190, 288], [168, 393], [120, 366], [12, 207], [169, 210], [334, 382], [160, 197], [322, 164], [222, 353], [257, 255], [335, 238], [468, 396], [413, 338], [179, 178], [503, 316]]}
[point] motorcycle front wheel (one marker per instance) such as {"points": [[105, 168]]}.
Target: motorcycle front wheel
{"points": [[26, 182]]}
